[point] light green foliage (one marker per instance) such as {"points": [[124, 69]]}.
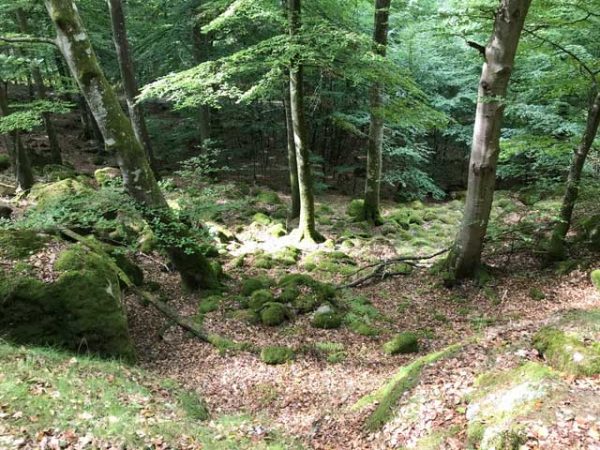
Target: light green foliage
{"points": [[277, 230], [335, 262], [405, 342], [28, 116], [45, 194], [276, 355], [106, 175], [287, 256]]}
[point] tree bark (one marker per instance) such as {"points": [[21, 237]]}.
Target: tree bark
{"points": [[40, 90], [201, 50], [306, 228], [18, 153], [292, 163], [465, 257], [126, 67], [556, 249], [119, 137], [374, 150]]}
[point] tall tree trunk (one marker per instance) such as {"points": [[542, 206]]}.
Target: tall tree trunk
{"points": [[136, 113], [465, 258], [40, 90], [556, 249], [138, 178], [18, 152], [291, 153], [201, 49], [374, 150], [306, 228]]}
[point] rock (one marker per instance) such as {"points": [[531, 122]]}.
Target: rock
{"points": [[274, 314], [326, 318], [276, 355], [5, 211], [106, 175], [259, 299], [44, 193], [277, 230], [403, 343]]}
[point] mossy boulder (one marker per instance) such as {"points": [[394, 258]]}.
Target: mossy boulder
{"points": [[247, 315], [106, 175], [250, 285], [4, 162], [274, 314], [21, 243], [335, 262], [42, 193], [403, 343], [263, 261], [276, 355], [261, 219], [356, 209], [304, 292], [327, 318], [260, 298], [268, 198], [277, 230], [287, 256], [209, 304], [595, 277], [82, 310]]}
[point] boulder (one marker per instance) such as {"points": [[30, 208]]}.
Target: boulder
{"points": [[106, 175]]}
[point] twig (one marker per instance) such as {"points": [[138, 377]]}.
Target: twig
{"points": [[154, 260]]}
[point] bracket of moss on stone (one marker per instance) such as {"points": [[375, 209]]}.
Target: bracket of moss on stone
{"points": [[380, 273], [145, 297]]}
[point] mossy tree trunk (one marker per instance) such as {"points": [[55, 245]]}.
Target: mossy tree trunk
{"points": [[130, 87], [18, 152], [306, 228], [465, 257], [374, 149], [557, 243], [40, 90], [291, 152], [119, 137]]}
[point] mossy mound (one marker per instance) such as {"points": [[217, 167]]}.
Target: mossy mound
{"points": [[274, 314], [304, 292], [277, 230], [261, 219], [254, 284], [4, 162], [106, 175], [82, 310], [44, 193], [403, 343], [58, 172], [247, 315], [335, 262], [287, 256], [406, 217], [20, 243], [356, 209], [276, 355], [209, 304], [501, 399], [259, 298], [325, 317], [268, 198]]}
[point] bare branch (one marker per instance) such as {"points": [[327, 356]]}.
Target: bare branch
{"points": [[27, 40]]}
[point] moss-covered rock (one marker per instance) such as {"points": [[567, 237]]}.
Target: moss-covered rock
{"points": [[403, 343], [274, 314], [335, 262], [595, 277], [276, 355], [43, 193], [4, 162], [287, 256], [260, 298], [327, 318], [268, 198], [263, 261], [247, 315], [254, 284], [209, 304], [356, 209], [21, 243], [57, 172], [106, 175], [261, 219], [304, 292], [277, 230]]}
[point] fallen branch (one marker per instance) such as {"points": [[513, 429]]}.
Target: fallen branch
{"points": [[380, 273]]}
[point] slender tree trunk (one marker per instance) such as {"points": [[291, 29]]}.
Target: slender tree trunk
{"points": [[40, 90], [306, 228], [201, 49], [119, 136], [374, 150], [465, 257], [136, 113], [18, 153], [557, 243], [292, 163]]}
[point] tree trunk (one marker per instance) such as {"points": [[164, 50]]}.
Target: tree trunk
{"points": [[40, 90], [119, 136], [557, 243], [374, 150], [465, 257], [306, 228], [291, 152], [201, 49], [136, 113], [18, 153]]}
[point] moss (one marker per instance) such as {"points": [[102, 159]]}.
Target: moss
{"points": [[591, 230], [268, 198], [403, 343], [289, 294], [276, 355], [288, 256], [4, 162], [264, 261], [57, 172], [254, 284], [305, 303], [132, 270], [261, 219], [565, 267], [259, 298], [356, 209], [360, 325], [536, 294], [43, 193], [595, 277], [277, 230], [209, 304], [326, 318], [567, 352], [332, 351], [18, 244], [247, 315], [105, 175], [332, 262], [274, 314], [320, 291]]}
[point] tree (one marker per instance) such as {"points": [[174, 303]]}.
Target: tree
{"points": [[374, 150], [306, 227], [291, 154], [130, 86], [499, 54], [119, 136]]}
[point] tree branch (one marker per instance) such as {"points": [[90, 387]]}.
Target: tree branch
{"points": [[480, 48], [27, 40]]}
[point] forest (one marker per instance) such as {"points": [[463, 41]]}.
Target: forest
{"points": [[299, 224]]}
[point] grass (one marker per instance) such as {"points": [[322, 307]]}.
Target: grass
{"points": [[44, 389]]}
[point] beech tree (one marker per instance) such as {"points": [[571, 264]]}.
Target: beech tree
{"points": [[499, 54], [119, 136], [374, 150]]}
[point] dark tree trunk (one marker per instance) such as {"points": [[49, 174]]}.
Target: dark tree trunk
{"points": [[306, 228], [130, 87], [292, 163], [119, 137], [374, 151], [557, 243], [201, 48], [465, 257]]}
